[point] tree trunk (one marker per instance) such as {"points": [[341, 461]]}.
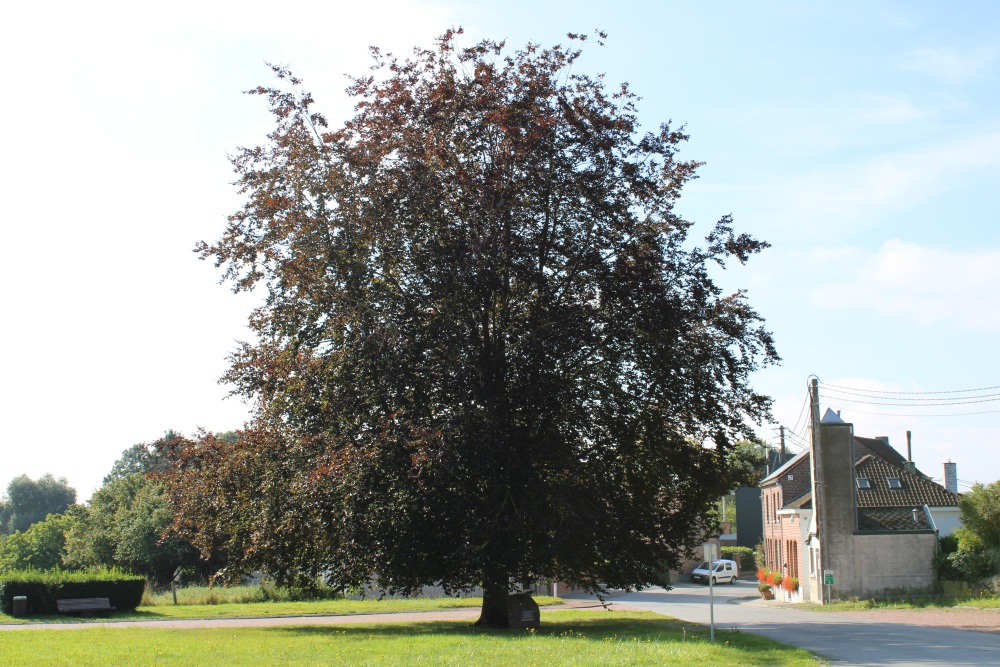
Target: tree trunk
{"points": [[494, 610]]}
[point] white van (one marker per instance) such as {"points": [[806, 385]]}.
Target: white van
{"points": [[721, 571]]}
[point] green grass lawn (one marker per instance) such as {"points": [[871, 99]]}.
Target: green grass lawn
{"points": [[566, 638], [258, 609]]}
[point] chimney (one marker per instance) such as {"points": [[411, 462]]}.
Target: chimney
{"points": [[909, 447], [951, 476]]}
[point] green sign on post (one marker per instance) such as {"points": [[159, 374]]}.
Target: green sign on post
{"points": [[828, 577]]}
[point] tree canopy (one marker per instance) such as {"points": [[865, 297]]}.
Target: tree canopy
{"points": [[41, 546], [124, 523], [978, 554], [29, 501], [490, 351], [142, 457], [123, 527]]}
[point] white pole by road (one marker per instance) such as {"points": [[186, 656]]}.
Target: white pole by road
{"points": [[711, 602]]}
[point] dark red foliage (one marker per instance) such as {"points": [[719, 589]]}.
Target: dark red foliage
{"points": [[489, 352]]}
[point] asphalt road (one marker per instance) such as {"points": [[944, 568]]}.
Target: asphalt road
{"points": [[841, 638]]}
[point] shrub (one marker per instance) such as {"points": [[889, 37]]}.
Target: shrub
{"points": [[760, 554], [774, 578], [263, 592], [43, 588], [746, 557], [790, 584], [763, 587], [990, 586]]}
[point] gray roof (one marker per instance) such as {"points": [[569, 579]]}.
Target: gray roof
{"points": [[892, 518], [883, 449], [915, 489], [788, 464], [831, 417], [880, 508]]}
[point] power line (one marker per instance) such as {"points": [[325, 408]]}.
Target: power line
{"points": [[801, 412], [903, 399], [795, 440], [878, 391], [901, 414], [900, 402]]}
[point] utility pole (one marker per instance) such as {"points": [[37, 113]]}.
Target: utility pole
{"points": [[819, 499], [782, 460]]}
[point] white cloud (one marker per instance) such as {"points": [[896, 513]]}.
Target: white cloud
{"points": [[927, 285], [856, 195], [948, 65], [881, 109]]}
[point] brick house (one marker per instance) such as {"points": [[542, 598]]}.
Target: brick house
{"points": [[786, 501], [880, 524]]}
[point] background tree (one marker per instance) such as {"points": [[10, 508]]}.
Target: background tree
{"points": [[142, 457], [29, 501], [978, 554], [489, 351], [124, 523], [41, 546]]}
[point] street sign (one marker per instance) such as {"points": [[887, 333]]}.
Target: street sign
{"points": [[711, 553], [828, 577]]}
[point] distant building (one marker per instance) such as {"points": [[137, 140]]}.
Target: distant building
{"points": [[749, 520], [882, 516]]}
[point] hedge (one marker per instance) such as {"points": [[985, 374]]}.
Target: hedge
{"points": [[747, 560], [43, 588]]}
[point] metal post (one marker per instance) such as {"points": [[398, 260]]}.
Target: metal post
{"points": [[711, 601]]}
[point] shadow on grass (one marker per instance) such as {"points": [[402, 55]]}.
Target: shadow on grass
{"points": [[583, 625]]}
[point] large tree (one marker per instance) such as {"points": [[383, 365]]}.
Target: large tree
{"points": [[489, 351]]}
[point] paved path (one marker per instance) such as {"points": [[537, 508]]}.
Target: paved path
{"points": [[844, 638]]}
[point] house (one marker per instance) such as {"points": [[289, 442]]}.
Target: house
{"points": [[878, 518], [786, 500], [749, 519]]}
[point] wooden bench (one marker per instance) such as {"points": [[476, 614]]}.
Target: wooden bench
{"points": [[86, 606]]}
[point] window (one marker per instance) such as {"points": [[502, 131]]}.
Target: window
{"points": [[894, 483], [863, 483], [792, 551]]}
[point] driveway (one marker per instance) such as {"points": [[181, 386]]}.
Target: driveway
{"points": [[845, 638]]}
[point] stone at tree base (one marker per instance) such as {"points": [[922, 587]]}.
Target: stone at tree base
{"points": [[522, 612]]}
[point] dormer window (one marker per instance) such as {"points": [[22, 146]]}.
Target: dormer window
{"points": [[863, 483], [894, 483]]}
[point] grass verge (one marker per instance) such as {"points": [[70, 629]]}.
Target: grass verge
{"points": [[567, 638], [924, 602]]}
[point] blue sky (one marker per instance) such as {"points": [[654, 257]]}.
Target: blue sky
{"points": [[861, 139]]}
